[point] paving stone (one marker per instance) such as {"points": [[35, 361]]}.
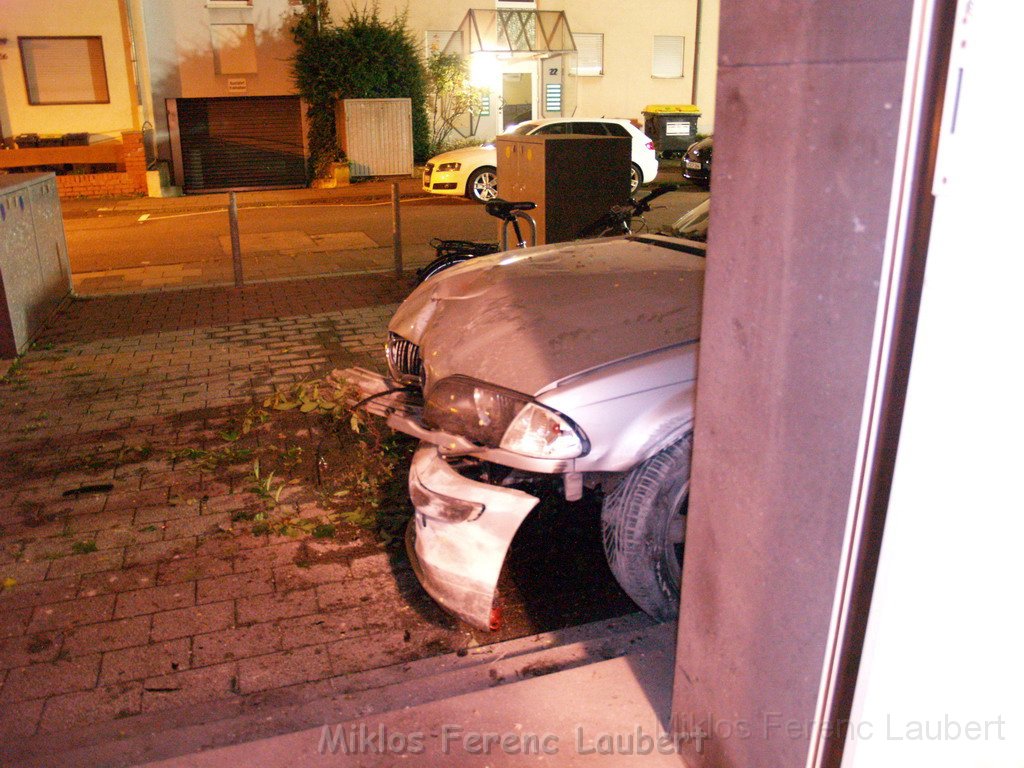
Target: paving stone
{"points": [[75, 565], [24, 572], [191, 687], [19, 720], [275, 606], [238, 585], [107, 636], [131, 500], [356, 592], [194, 526], [99, 521], [289, 577], [38, 681], [234, 644], [285, 668], [72, 613], [161, 513], [75, 710], [127, 535], [121, 580], [153, 599], [380, 649], [195, 620], [193, 569], [144, 661], [261, 558], [13, 621], [383, 562], [324, 628], [22, 650], [221, 547], [159, 551]]}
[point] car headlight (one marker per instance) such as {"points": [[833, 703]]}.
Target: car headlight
{"points": [[501, 418], [448, 167]]}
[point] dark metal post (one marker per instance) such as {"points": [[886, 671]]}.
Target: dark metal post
{"points": [[396, 228], [236, 245]]}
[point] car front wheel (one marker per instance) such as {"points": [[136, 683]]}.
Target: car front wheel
{"points": [[636, 178], [482, 184], [643, 524]]}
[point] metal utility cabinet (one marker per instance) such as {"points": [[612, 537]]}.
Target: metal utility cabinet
{"points": [[572, 179], [376, 136], [35, 276]]}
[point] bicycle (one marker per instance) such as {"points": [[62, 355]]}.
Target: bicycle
{"points": [[452, 252], [619, 218]]}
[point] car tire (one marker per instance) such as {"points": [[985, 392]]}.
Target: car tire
{"points": [[482, 184], [636, 178], [643, 525]]}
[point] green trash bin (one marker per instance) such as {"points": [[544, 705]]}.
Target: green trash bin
{"points": [[672, 127]]}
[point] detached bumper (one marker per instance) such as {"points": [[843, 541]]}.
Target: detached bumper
{"points": [[460, 534]]}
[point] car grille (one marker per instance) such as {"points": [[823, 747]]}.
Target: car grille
{"points": [[404, 361]]}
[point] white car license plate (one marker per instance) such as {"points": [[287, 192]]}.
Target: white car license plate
{"points": [[693, 164]]}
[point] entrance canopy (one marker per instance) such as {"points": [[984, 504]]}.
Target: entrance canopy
{"points": [[543, 33]]}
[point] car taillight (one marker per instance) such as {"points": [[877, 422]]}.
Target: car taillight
{"points": [[650, 145]]}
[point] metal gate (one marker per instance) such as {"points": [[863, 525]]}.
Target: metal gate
{"points": [[241, 143]]}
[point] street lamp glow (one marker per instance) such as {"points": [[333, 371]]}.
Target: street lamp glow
{"points": [[484, 70]]}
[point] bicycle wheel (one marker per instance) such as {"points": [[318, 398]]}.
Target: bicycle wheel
{"points": [[439, 265]]}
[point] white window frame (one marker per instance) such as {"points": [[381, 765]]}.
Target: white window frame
{"points": [[667, 56], [589, 54]]}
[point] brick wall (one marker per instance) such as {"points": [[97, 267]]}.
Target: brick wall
{"points": [[131, 182]]}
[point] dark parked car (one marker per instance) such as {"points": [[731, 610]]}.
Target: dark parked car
{"points": [[697, 163]]}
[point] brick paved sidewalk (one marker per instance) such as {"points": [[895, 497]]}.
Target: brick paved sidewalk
{"points": [[133, 580], [126, 587]]}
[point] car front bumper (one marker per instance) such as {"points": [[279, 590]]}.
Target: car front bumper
{"points": [[460, 535], [444, 183], [462, 528]]}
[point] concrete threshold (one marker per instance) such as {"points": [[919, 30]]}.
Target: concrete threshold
{"points": [[529, 686]]}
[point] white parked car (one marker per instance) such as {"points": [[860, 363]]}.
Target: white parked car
{"points": [[510, 392], [473, 171]]}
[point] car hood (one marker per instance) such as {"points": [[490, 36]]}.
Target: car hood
{"points": [[483, 154], [526, 319]]}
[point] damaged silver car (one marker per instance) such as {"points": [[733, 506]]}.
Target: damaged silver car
{"points": [[575, 361]]}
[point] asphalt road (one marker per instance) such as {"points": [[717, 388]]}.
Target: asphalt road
{"points": [[115, 241], [290, 239]]}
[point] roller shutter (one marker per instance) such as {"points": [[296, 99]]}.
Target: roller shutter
{"points": [[241, 143]]}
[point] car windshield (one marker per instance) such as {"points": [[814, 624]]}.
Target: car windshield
{"points": [[693, 225], [523, 129]]}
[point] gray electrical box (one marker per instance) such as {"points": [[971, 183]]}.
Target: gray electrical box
{"points": [[34, 273], [572, 179]]}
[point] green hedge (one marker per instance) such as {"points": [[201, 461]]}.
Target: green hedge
{"points": [[363, 57]]}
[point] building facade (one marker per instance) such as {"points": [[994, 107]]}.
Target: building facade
{"points": [[209, 81]]}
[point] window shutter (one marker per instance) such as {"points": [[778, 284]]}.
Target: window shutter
{"points": [[234, 48], [589, 54], [668, 56], [64, 70]]}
